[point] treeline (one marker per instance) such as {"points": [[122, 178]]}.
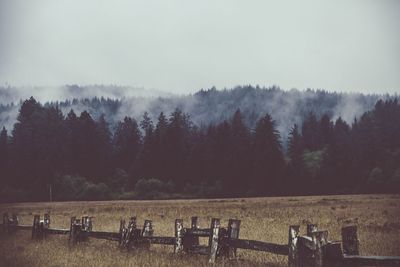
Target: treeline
{"points": [[205, 106], [77, 157]]}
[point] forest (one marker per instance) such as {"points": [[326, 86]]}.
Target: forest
{"points": [[49, 154]]}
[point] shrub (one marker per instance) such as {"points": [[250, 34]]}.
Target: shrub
{"points": [[95, 192], [153, 189], [70, 187]]}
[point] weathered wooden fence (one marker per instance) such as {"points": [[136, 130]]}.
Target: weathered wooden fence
{"points": [[311, 249]]}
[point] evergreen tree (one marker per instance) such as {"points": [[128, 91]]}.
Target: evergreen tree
{"points": [[296, 172], [239, 158], [72, 143], [147, 155], [268, 163], [311, 133], [127, 144], [4, 157]]}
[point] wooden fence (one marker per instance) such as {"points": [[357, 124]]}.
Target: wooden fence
{"points": [[311, 249]]}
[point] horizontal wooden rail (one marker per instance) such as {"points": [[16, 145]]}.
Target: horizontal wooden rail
{"points": [[57, 231], [104, 235], [198, 232], [311, 249], [160, 240], [21, 227], [260, 246], [48, 230], [356, 260], [202, 250]]}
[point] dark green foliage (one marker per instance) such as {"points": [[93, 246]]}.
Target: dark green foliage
{"points": [[153, 189], [79, 188], [267, 158], [80, 159], [127, 144]]}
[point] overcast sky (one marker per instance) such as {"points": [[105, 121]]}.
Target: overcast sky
{"points": [[182, 45]]}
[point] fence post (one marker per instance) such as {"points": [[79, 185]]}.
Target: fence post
{"points": [[293, 259], [46, 220], [147, 228], [311, 228], [350, 240], [194, 240], [214, 238], [15, 222], [130, 236], [5, 223], [194, 225], [72, 232], [233, 233], [35, 226], [90, 223], [147, 232], [178, 247], [320, 239], [46, 224], [122, 231], [190, 240], [86, 227]]}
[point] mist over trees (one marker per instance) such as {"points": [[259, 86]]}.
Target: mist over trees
{"points": [[205, 106], [85, 158]]}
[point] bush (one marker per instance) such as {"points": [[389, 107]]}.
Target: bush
{"points": [[153, 189], [118, 181], [95, 192], [204, 190], [70, 187]]}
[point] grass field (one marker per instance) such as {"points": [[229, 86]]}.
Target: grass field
{"points": [[266, 219]]}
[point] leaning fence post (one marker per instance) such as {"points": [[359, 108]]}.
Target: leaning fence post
{"points": [[214, 238], [178, 246], [233, 233], [350, 240], [320, 239], [129, 237], [35, 226], [293, 259]]}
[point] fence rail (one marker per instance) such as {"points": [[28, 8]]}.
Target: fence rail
{"points": [[311, 249]]}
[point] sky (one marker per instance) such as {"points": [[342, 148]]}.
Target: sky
{"points": [[181, 46]]}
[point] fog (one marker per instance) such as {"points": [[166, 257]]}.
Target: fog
{"points": [[181, 46]]}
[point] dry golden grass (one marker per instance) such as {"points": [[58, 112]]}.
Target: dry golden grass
{"points": [[266, 219]]}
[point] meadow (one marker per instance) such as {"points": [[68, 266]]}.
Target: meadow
{"points": [[265, 219]]}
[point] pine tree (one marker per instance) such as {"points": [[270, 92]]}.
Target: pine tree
{"points": [[127, 144], [268, 162], [311, 133], [296, 172], [239, 158], [4, 157]]}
